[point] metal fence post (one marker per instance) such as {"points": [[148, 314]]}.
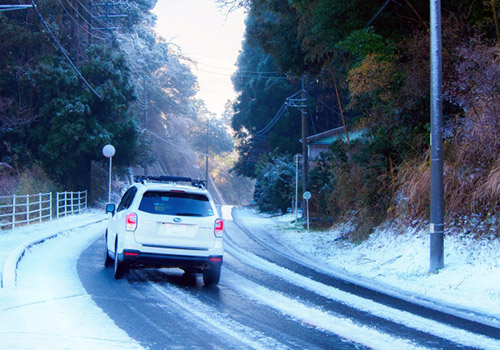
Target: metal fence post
{"points": [[57, 205], [72, 203], [13, 211], [39, 207], [28, 209], [67, 203]]}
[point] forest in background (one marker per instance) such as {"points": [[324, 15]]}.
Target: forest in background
{"points": [[369, 60], [76, 75], [71, 83]]}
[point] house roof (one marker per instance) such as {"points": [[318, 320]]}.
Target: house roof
{"points": [[330, 136], [326, 137]]}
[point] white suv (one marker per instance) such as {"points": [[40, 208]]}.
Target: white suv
{"points": [[162, 223]]}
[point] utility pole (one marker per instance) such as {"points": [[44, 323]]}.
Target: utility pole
{"points": [[107, 16], [437, 189], [304, 144], [340, 107], [301, 104]]}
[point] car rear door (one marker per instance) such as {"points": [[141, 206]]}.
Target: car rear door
{"points": [[117, 222], [176, 219]]}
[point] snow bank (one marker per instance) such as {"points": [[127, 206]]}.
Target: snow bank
{"points": [[398, 258], [49, 307]]}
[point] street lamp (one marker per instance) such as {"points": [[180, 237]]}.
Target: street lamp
{"points": [[206, 155], [296, 158], [109, 151]]}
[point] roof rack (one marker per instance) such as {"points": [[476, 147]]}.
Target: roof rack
{"points": [[163, 178]]}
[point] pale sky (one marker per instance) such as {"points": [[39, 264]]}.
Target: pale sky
{"points": [[208, 36]]}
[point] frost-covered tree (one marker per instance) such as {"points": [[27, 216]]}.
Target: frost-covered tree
{"points": [[274, 186]]}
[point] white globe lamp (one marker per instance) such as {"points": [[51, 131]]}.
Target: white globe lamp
{"points": [[109, 151]]}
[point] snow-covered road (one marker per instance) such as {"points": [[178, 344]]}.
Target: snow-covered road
{"points": [[49, 308], [265, 300]]}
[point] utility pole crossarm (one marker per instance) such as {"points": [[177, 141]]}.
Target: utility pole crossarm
{"points": [[297, 102], [14, 7]]}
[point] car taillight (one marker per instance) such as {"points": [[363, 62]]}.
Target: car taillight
{"points": [[131, 222], [219, 226]]}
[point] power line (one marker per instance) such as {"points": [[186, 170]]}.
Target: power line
{"points": [[161, 94], [63, 51], [290, 101], [92, 17], [158, 91], [76, 21], [107, 15], [273, 121], [381, 8], [186, 150], [244, 75], [79, 14], [293, 99], [242, 71], [173, 144]]}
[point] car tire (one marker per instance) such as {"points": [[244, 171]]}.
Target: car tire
{"points": [[119, 267], [108, 262], [211, 276]]}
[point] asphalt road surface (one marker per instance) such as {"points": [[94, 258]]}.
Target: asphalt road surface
{"points": [[268, 300]]}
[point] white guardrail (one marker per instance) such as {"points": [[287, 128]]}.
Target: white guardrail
{"points": [[69, 203], [30, 208]]}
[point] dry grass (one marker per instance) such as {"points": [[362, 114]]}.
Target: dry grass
{"points": [[472, 156], [491, 187], [414, 180], [466, 191]]}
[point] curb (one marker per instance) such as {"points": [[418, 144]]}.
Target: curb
{"points": [[9, 272]]}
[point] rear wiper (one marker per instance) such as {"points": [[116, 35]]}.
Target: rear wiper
{"points": [[188, 214]]}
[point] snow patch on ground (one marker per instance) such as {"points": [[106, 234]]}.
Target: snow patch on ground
{"points": [[399, 258], [327, 321], [49, 308]]}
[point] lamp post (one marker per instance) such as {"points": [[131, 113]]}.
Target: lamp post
{"points": [[109, 151], [206, 155]]}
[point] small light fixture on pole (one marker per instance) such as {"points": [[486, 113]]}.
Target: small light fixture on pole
{"points": [[109, 151]]}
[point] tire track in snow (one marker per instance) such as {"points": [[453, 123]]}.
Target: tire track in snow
{"points": [[437, 329]]}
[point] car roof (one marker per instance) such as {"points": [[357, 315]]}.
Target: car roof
{"points": [[171, 186], [170, 183]]}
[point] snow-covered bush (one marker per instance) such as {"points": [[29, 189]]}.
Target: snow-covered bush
{"points": [[275, 184]]}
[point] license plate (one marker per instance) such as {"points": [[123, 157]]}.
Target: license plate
{"points": [[174, 229]]}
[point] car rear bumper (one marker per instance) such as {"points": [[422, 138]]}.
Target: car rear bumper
{"points": [[135, 258]]}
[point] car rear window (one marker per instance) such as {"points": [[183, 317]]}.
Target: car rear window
{"points": [[176, 203]]}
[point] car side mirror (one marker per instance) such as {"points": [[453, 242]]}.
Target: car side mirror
{"points": [[110, 208]]}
